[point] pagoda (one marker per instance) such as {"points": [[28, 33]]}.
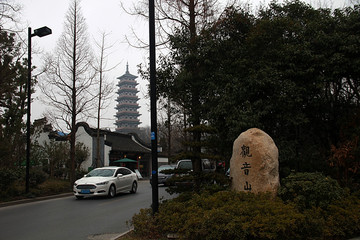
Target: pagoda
{"points": [[127, 114]]}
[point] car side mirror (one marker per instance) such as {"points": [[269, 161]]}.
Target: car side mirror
{"points": [[119, 175]]}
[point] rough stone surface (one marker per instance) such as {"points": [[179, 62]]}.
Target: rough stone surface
{"points": [[254, 165]]}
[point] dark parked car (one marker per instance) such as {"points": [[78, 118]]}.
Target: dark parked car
{"points": [[162, 176], [206, 165], [185, 167]]}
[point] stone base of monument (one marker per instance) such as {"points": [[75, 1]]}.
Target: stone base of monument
{"points": [[254, 165]]}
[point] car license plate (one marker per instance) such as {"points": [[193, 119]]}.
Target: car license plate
{"points": [[85, 191]]}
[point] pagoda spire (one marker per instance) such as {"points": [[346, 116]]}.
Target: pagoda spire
{"points": [[127, 115]]}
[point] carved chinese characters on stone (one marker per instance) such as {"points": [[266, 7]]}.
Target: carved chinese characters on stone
{"points": [[245, 153], [246, 167], [254, 166]]}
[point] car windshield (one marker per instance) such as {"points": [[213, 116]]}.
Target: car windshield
{"points": [[185, 165], [101, 173], [165, 167]]}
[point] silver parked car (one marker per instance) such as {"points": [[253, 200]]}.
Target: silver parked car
{"points": [[106, 181]]}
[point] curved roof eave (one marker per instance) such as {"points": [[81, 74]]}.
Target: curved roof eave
{"points": [[127, 76]]}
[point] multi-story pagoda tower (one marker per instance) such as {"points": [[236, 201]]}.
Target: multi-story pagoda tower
{"points": [[127, 114]]}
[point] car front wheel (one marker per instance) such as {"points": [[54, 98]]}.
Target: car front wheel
{"points": [[112, 191], [134, 187]]}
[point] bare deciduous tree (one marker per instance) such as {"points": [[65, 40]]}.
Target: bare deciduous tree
{"points": [[105, 88], [8, 12], [69, 82], [171, 15]]}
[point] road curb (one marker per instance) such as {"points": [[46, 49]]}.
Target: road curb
{"points": [[122, 234], [35, 199]]}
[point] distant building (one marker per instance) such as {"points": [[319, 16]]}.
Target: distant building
{"points": [[113, 146], [127, 115]]}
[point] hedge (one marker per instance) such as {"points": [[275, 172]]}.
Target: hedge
{"points": [[311, 206]]}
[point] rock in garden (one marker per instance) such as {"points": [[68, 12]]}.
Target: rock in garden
{"points": [[254, 165]]}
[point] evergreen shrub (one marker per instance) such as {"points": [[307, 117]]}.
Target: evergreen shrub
{"points": [[8, 177], [147, 225], [37, 176], [245, 216], [343, 219], [8, 180], [184, 181], [310, 206], [309, 190], [224, 215], [53, 186]]}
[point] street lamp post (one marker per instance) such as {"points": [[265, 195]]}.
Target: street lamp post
{"points": [[154, 165], [40, 32]]}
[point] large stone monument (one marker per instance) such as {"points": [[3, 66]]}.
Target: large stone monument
{"points": [[254, 165]]}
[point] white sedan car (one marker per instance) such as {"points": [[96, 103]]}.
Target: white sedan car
{"points": [[106, 181]]}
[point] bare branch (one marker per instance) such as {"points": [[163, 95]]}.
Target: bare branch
{"points": [[9, 11], [69, 83], [172, 15]]}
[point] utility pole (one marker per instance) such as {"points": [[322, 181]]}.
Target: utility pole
{"points": [[155, 187]]}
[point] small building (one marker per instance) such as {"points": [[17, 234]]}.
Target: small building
{"points": [[88, 136], [113, 146]]}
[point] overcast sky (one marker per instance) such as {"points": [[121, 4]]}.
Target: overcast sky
{"points": [[100, 16], [108, 16]]}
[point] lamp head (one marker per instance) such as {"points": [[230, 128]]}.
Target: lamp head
{"points": [[41, 32]]}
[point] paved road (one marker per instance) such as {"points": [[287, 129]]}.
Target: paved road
{"points": [[70, 219]]}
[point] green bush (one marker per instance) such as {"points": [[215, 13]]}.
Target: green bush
{"points": [[9, 181], [51, 187], [60, 173], [343, 219], [37, 176], [225, 215], [230, 215], [184, 181], [146, 224], [8, 177], [309, 190]]}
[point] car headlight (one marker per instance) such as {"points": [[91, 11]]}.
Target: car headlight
{"points": [[75, 184], [103, 183]]}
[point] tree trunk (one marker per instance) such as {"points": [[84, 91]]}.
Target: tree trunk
{"points": [[169, 129], [74, 109]]}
